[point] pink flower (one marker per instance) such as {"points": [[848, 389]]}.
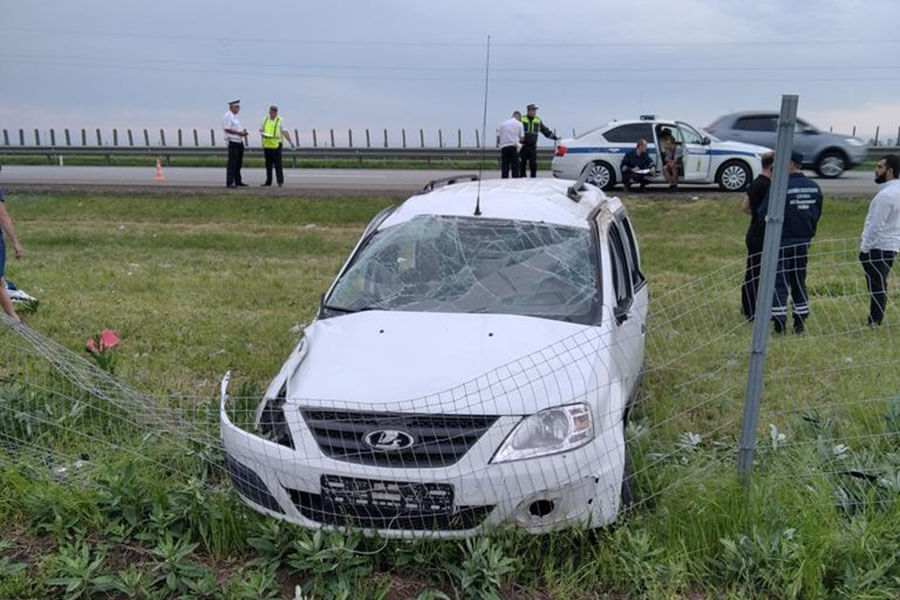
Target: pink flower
{"points": [[108, 339]]}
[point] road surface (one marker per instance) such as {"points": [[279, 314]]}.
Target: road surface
{"points": [[336, 181]]}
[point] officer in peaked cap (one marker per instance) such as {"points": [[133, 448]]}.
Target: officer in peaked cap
{"points": [[236, 137], [533, 125]]}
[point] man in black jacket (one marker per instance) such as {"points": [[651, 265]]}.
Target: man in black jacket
{"points": [[802, 210], [637, 166], [756, 193], [528, 154]]}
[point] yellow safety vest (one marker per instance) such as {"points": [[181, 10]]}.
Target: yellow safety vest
{"points": [[271, 132]]}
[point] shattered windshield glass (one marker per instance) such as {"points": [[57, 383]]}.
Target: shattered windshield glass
{"points": [[457, 264]]}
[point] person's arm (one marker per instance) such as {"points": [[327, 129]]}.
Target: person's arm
{"points": [[548, 133], [745, 204], [875, 220], [286, 135], [7, 225]]}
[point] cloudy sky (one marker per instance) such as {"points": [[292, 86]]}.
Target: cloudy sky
{"points": [[421, 64]]}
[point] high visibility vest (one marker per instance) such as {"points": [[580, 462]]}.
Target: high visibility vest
{"points": [[271, 132], [532, 125]]}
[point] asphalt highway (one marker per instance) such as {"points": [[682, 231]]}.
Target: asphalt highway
{"points": [[334, 181]]}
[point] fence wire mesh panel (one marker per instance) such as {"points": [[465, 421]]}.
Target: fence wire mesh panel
{"points": [[569, 433]]}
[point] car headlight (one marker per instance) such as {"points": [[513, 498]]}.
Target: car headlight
{"points": [[854, 142], [548, 432]]}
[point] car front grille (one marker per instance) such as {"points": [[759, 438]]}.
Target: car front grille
{"points": [[437, 440]]}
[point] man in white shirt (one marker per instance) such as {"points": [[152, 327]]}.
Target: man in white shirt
{"points": [[234, 136], [509, 136], [881, 235]]}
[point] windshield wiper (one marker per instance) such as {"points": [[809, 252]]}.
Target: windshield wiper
{"points": [[350, 310]]}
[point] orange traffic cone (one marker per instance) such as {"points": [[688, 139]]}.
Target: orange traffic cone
{"points": [[159, 173]]}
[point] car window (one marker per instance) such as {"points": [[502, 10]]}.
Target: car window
{"points": [[637, 277], [459, 264], [757, 123], [621, 281], [630, 133], [689, 135]]}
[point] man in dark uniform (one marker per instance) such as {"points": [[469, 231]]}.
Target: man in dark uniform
{"points": [[533, 125], [637, 166], [802, 210], [756, 193]]}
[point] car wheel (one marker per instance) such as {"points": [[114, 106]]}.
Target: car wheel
{"points": [[733, 176], [831, 164], [601, 174]]}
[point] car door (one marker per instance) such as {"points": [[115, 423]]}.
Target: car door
{"points": [[627, 351], [640, 289], [755, 129], [697, 154]]}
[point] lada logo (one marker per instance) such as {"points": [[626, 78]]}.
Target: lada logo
{"points": [[388, 440]]}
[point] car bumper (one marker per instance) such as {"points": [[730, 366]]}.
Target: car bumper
{"points": [[577, 488]]}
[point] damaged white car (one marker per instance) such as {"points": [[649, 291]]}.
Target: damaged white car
{"points": [[470, 368]]}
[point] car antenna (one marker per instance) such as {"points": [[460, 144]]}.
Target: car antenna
{"points": [[487, 68]]}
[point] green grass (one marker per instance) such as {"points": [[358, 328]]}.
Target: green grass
{"points": [[198, 285]]}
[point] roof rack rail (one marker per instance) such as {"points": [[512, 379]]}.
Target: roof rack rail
{"points": [[572, 191], [436, 183]]}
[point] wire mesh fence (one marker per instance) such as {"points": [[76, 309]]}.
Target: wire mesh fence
{"points": [[559, 436]]}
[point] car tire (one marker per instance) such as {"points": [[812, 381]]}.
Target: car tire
{"points": [[831, 164], [733, 176], [601, 174]]}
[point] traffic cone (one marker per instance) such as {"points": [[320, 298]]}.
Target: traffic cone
{"points": [[159, 173]]}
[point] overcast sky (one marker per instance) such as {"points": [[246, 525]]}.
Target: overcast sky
{"points": [[420, 64]]}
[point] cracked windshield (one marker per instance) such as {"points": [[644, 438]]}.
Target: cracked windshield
{"points": [[454, 264]]}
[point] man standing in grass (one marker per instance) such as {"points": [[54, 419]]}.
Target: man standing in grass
{"points": [[6, 227], [756, 193], [881, 235]]}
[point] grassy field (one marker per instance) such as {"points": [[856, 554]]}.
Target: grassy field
{"points": [[198, 285]]}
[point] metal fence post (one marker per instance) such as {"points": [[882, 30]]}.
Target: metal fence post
{"points": [[769, 267], [99, 137], [315, 141], [130, 138], [212, 137], [21, 137], [854, 131], [37, 137], [84, 137], [421, 138], [877, 131], [367, 138], [68, 138], [440, 139], [115, 137], [5, 138], [53, 137], [898, 136], [196, 139], [477, 140], [179, 137], [331, 133], [146, 139], [350, 137], [162, 137], [402, 138], [385, 138], [296, 144], [459, 138]]}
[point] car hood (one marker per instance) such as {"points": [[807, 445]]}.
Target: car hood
{"points": [[443, 362], [740, 147]]}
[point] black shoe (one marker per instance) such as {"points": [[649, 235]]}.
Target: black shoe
{"points": [[779, 328], [265, 185], [799, 327], [229, 185], [280, 185], [627, 187], [241, 185]]}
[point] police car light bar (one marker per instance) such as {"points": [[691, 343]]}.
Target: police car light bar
{"points": [[648, 117]]}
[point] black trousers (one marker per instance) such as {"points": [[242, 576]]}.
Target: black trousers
{"points": [[751, 277], [877, 264], [273, 158], [528, 156], [628, 178], [509, 162], [792, 261], [235, 161]]}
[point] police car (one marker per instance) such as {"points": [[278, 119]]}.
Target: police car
{"points": [[599, 153], [470, 368]]}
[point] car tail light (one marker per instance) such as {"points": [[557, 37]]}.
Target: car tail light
{"points": [[561, 150]]}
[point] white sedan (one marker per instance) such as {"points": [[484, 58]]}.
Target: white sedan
{"points": [[732, 165]]}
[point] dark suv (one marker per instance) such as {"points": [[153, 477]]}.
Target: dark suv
{"points": [[830, 154]]}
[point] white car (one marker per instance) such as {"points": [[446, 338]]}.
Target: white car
{"points": [[468, 369], [599, 153]]}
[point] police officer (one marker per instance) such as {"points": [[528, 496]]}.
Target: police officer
{"points": [[533, 125], [802, 210], [272, 132], [235, 136]]}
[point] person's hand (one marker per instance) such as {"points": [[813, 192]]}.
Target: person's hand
{"points": [[18, 251]]}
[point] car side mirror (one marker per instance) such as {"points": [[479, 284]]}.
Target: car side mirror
{"points": [[810, 130], [621, 313], [705, 141]]}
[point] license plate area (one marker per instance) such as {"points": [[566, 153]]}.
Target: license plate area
{"points": [[393, 495]]}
